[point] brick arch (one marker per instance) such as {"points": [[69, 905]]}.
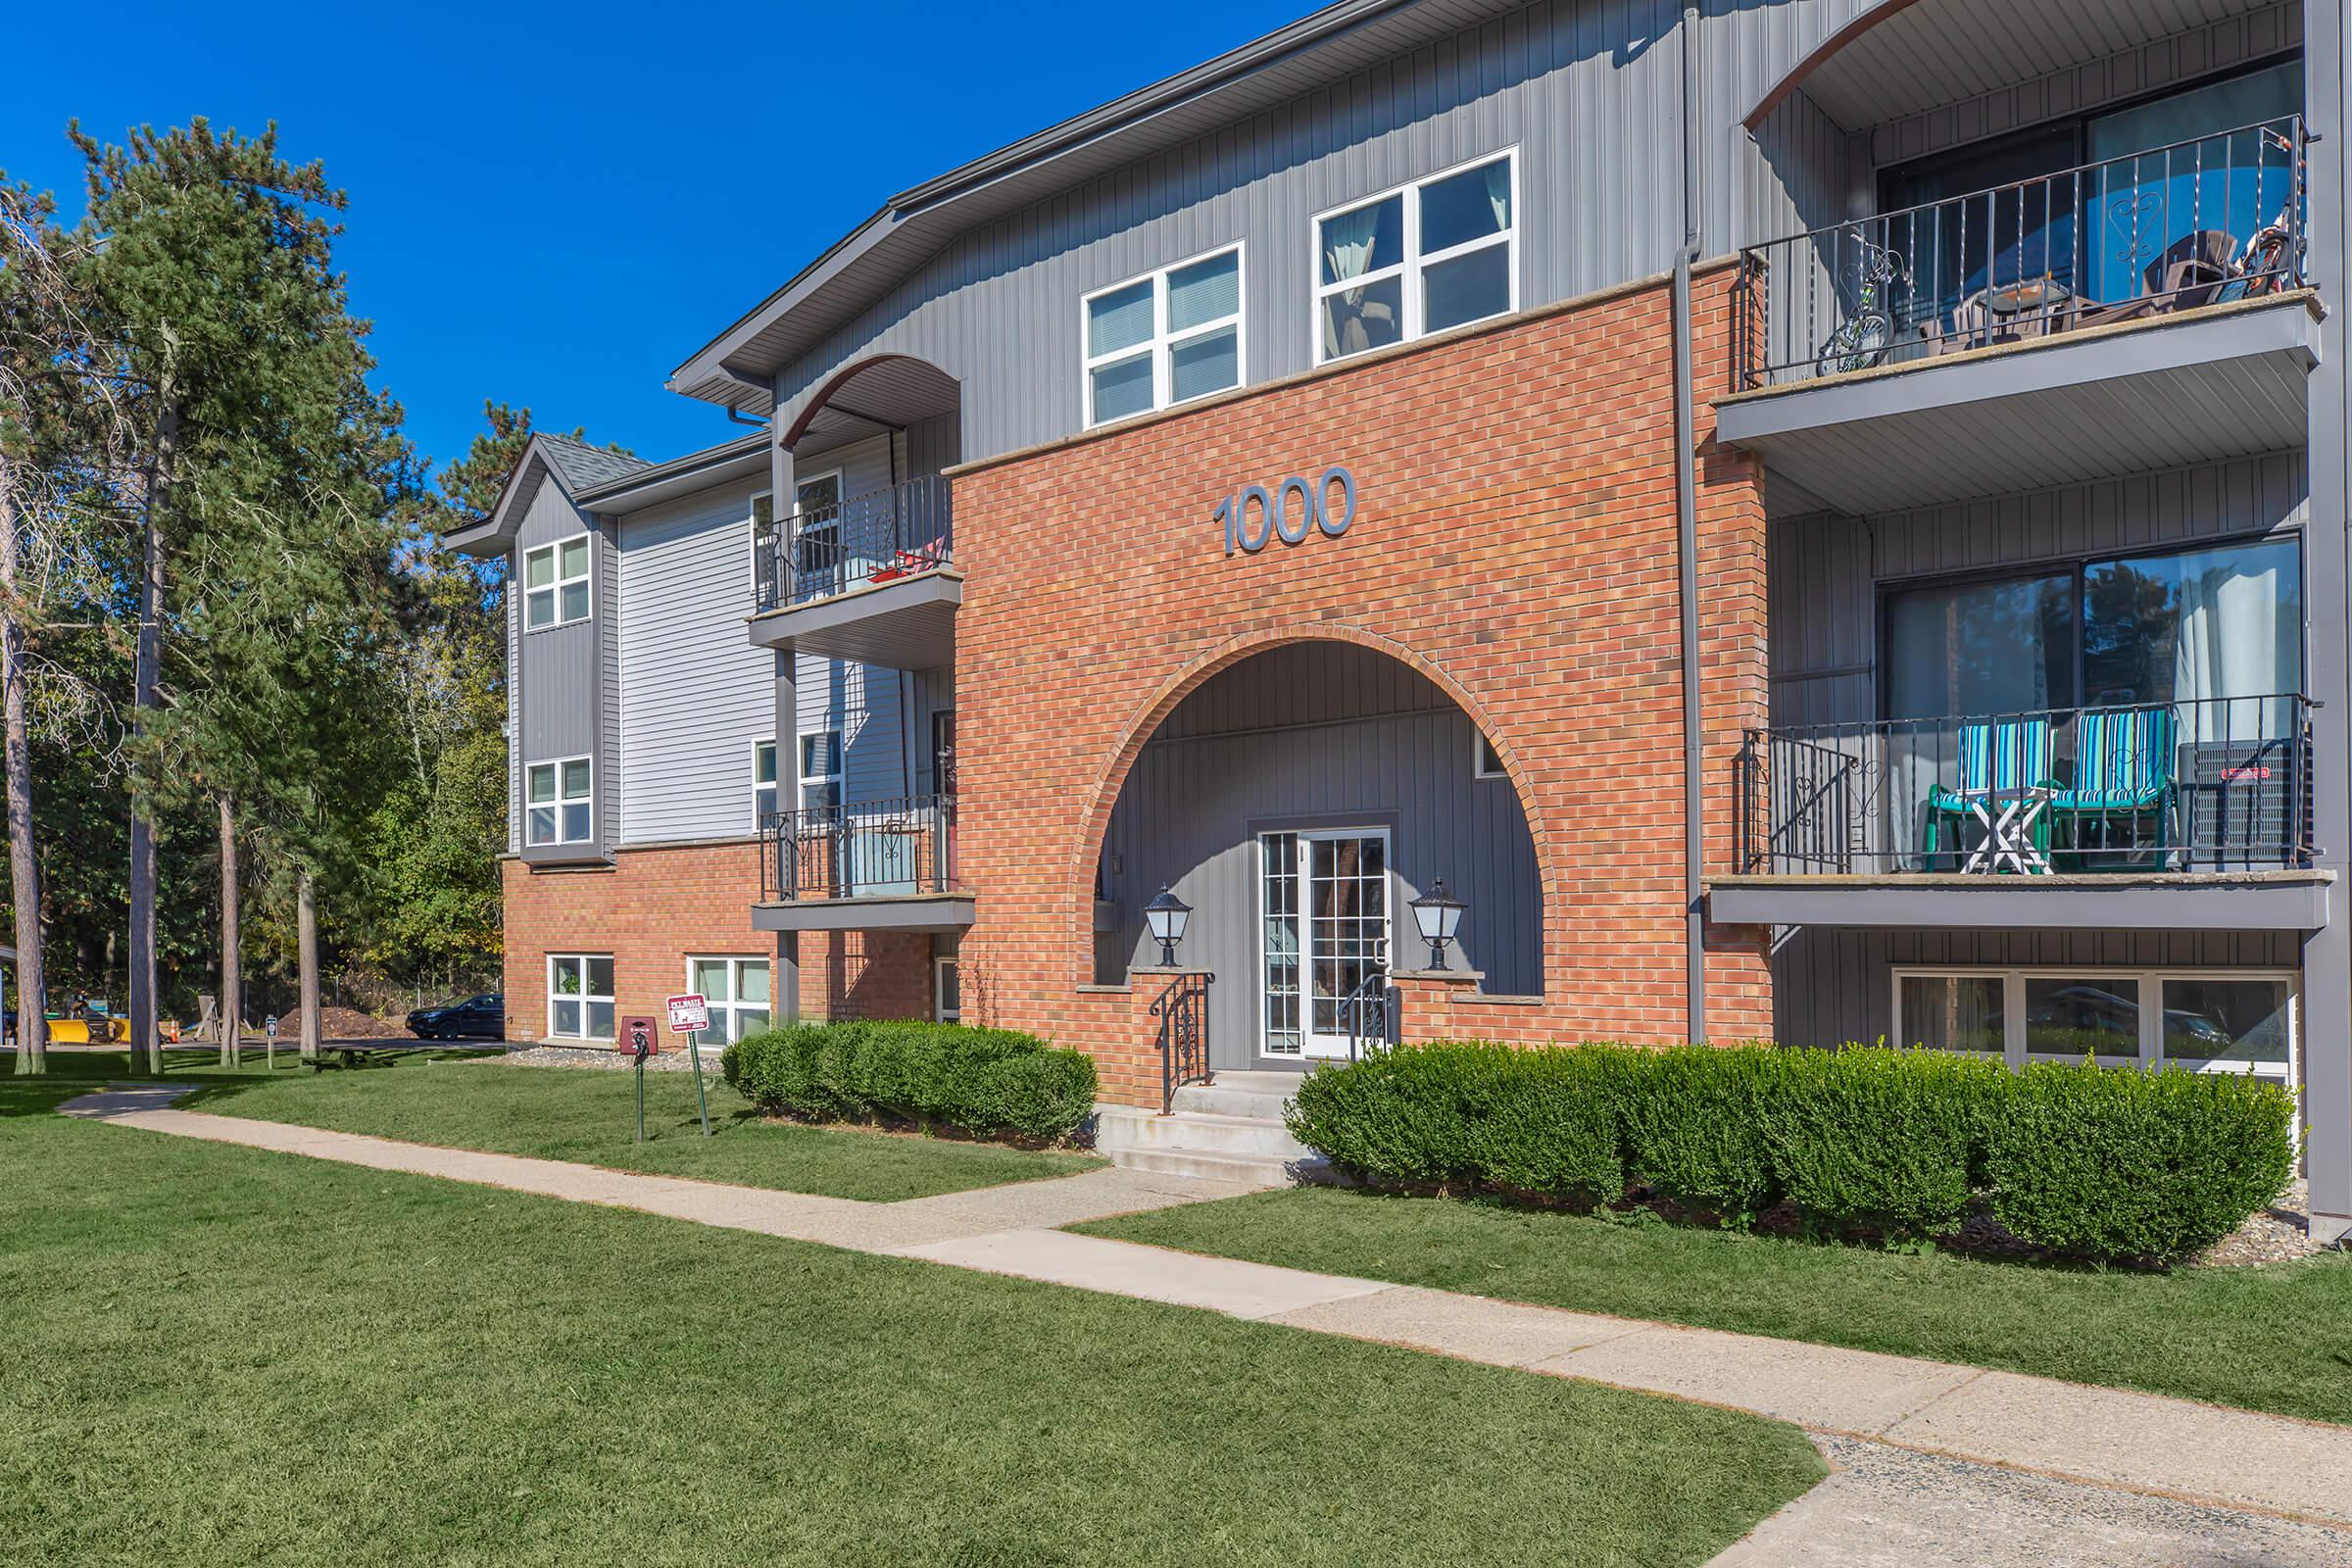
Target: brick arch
{"points": [[1234, 650]]}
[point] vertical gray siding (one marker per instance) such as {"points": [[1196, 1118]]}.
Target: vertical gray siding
{"points": [[1588, 91], [1824, 571], [561, 674], [2117, 78], [1830, 987], [694, 696], [1318, 735]]}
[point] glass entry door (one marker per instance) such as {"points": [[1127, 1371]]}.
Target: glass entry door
{"points": [[1324, 909]]}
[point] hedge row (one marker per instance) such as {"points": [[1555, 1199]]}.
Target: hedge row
{"points": [[991, 1083], [2105, 1164]]}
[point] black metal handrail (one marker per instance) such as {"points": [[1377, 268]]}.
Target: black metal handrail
{"points": [[868, 848], [1374, 1013], [2220, 783], [1183, 1013], [2196, 222], [880, 536]]}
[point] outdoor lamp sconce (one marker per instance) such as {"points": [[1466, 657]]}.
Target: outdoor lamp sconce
{"points": [[1166, 915], [1439, 918]]}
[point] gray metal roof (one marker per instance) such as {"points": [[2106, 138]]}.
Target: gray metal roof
{"points": [[582, 466], [734, 368]]}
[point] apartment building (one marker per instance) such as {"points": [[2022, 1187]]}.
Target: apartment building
{"points": [[1814, 519]]}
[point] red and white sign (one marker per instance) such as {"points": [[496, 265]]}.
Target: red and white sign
{"points": [[688, 1013]]}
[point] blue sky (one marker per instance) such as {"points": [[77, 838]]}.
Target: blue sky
{"points": [[554, 204]]}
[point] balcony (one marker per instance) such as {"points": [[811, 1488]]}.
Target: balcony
{"points": [[2141, 313], [874, 865], [871, 579], [2169, 815]]}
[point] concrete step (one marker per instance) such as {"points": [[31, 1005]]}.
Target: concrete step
{"points": [[1241, 1093], [1120, 1127], [1249, 1170]]}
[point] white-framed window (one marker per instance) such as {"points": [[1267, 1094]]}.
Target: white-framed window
{"points": [[737, 991], [579, 996], [2207, 1020], [559, 802], [763, 530], [820, 770], [555, 584], [947, 989], [1165, 338], [764, 801], [1439, 253], [1484, 761], [817, 524]]}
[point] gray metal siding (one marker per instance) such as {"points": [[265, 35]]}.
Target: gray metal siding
{"points": [[1587, 90], [695, 697], [1832, 987], [1824, 571], [1322, 735]]}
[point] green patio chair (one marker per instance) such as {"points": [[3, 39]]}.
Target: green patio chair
{"points": [[1995, 756], [2124, 769]]}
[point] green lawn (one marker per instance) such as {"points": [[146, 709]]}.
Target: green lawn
{"points": [[220, 1356], [2272, 1339], [589, 1115]]}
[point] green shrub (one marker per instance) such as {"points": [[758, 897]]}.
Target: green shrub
{"points": [[1888, 1140], [1694, 1121], [989, 1082], [2126, 1165], [2104, 1165], [1540, 1122]]}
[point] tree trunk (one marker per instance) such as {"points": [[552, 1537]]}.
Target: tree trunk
{"points": [[306, 939], [146, 1045], [24, 883], [232, 980]]}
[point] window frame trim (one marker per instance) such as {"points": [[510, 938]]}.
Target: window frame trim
{"points": [[758, 822], [1163, 340], [1412, 263], [941, 962], [558, 582], [735, 1004], [584, 996], [2150, 1056], [559, 802], [838, 778]]}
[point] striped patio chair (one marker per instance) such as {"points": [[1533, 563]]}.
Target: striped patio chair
{"points": [[1994, 754], [2124, 769]]}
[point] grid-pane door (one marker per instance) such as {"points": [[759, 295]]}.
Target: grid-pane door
{"points": [[1345, 899]]}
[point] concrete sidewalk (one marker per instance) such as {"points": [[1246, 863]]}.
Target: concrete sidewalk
{"points": [[2159, 1447]]}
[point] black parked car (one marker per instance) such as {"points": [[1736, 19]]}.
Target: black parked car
{"points": [[482, 1017]]}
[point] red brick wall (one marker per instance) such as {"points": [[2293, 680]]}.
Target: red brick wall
{"points": [[1515, 543], [653, 909]]}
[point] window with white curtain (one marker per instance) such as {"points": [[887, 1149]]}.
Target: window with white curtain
{"points": [[555, 584], [1439, 254], [559, 800], [1157, 341]]}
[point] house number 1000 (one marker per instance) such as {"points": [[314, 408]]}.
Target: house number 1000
{"points": [[1290, 512]]}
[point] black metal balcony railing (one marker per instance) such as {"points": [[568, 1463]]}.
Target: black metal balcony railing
{"points": [[2197, 223], [880, 536], [2209, 785], [870, 849]]}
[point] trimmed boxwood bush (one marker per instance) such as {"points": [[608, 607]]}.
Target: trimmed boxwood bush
{"points": [[1693, 1119], [1540, 1122], [2123, 1164], [991, 1083], [2105, 1164]]}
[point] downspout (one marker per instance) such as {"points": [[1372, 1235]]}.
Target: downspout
{"points": [[1685, 508]]}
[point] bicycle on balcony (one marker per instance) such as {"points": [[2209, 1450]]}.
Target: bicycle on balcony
{"points": [[1861, 340]]}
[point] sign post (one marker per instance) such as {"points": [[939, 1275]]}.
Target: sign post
{"points": [[638, 1041], [270, 1042], [690, 1014]]}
